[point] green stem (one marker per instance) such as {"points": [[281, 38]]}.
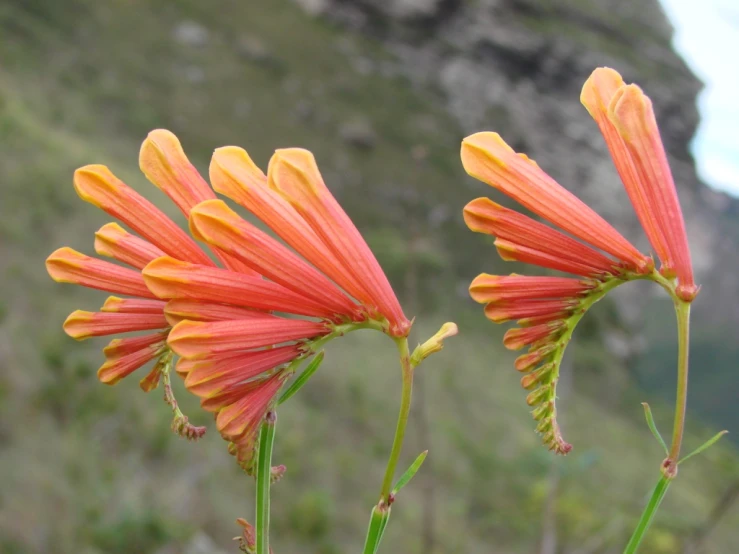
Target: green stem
{"points": [[405, 407], [669, 465], [264, 474], [648, 515], [682, 309]]}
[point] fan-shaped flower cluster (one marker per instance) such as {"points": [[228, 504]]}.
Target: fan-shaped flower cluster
{"points": [[548, 308], [241, 327]]}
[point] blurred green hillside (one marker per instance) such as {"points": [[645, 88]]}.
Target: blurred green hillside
{"points": [[91, 469]]}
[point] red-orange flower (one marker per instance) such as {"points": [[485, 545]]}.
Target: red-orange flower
{"points": [[326, 273], [235, 352], [296, 205], [158, 235], [626, 119], [487, 157], [237, 367], [548, 308]]}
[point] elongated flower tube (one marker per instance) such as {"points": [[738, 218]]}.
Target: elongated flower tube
{"points": [[626, 119], [237, 367], [218, 224], [234, 174], [172, 279], [97, 185], [165, 164], [194, 310], [547, 309], [521, 233], [487, 157], [294, 174]]}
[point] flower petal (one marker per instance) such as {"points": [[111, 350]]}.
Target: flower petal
{"points": [[246, 414], [512, 252], [293, 172], [114, 241], [66, 265], [223, 227], [195, 339], [169, 279], [487, 157], [97, 185], [165, 164], [527, 362], [515, 339], [81, 325]]}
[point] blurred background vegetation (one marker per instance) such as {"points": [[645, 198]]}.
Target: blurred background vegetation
{"points": [[382, 93]]}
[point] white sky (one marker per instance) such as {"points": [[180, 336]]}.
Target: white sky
{"points": [[707, 36]]}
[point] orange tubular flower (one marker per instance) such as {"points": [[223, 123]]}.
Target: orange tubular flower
{"points": [[491, 288], [219, 224], [626, 118], [523, 234], [293, 172], [235, 353], [296, 204], [548, 308], [168, 168], [487, 157], [196, 339], [237, 367], [172, 279], [235, 175], [165, 164]]}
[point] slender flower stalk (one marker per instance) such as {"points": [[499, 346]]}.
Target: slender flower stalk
{"points": [[264, 478], [405, 408]]}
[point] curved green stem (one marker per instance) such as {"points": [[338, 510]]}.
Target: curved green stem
{"points": [[648, 515], [405, 407], [264, 474]]}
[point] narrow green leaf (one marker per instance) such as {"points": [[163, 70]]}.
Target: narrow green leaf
{"points": [[410, 472], [653, 427], [710, 442], [383, 526], [302, 378], [377, 524], [648, 515]]}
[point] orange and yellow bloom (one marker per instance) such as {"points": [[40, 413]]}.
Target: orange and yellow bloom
{"points": [[548, 308], [223, 319]]}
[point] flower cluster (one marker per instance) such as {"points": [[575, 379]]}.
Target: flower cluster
{"points": [[547, 308], [240, 327]]}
